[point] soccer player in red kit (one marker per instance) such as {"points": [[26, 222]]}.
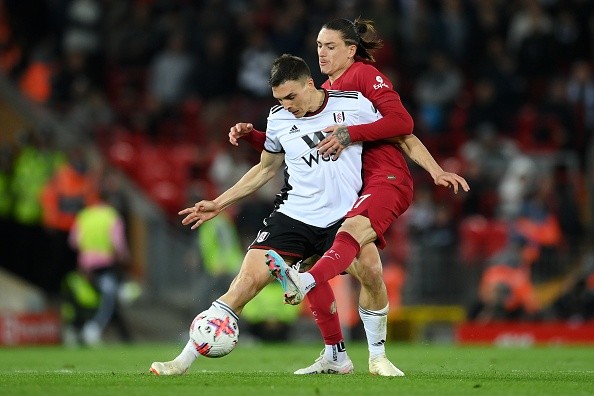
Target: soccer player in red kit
{"points": [[388, 187]]}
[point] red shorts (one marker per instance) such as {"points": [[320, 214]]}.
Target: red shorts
{"points": [[382, 201]]}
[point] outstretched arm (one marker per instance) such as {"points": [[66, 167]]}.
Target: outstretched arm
{"points": [[416, 151], [254, 179]]}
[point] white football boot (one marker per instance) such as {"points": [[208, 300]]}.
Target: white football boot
{"points": [[380, 365], [167, 368], [324, 366]]}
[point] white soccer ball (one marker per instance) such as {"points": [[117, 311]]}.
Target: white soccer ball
{"points": [[214, 333]]}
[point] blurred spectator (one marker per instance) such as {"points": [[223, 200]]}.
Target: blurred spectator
{"points": [[517, 181], [537, 226], [227, 168], [70, 190], [556, 113], [580, 92], [436, 246], [475, 201], [82, 31], [134, 37], [73, 76], [34, 165], [436, 90], [254, 70], [485, 108], [530, 38], [36, 80], [415, 25], [88, 115], [421, 214], [170, 73], [500, 69], [487, 24], [216, 76], [98, 235], [451, 29], [491, 150], [567, 32], [288, 30], [506, 291]]}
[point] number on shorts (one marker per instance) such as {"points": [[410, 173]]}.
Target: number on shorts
{"points": [[360, 200]]}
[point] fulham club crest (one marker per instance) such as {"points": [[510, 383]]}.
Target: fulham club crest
{"points": [[339, 117], [262, 236]]}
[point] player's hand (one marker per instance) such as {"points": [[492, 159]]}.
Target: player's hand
{"points": [[335, 143], [199, 213], [238, 131], [448, 179]]}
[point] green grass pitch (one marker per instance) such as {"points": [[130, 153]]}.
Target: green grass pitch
{"points": [[267, 370]]}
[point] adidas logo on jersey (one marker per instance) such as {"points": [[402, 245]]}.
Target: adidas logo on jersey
{"points": [[294, 129]]}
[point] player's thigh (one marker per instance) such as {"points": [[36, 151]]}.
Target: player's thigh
{"points": [[382, 203]]}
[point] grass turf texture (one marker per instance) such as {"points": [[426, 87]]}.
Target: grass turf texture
{"points": [[267, 370]]}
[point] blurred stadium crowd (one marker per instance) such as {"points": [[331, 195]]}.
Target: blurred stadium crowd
{"points": [[502, 92]]}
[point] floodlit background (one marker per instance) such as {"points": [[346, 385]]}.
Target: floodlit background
{"points": [[137, 97]]}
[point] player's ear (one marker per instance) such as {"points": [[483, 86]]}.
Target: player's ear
{"points": [[352, 51]]}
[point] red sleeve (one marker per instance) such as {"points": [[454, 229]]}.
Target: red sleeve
{"points": [[256, 139], [378, 89]]}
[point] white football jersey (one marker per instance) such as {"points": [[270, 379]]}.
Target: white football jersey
{"points": [[319, 191]]}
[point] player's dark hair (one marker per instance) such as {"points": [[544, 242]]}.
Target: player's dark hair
{"points": [[360, 32], [288, 68]]}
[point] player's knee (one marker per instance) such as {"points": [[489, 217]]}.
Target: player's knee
{"points": [[370, 275], [359, 227]]}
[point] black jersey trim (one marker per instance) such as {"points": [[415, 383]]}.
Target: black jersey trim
{"points": [[344, 94], [276, 109]]}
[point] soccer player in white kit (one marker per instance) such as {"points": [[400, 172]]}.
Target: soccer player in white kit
{"points": [[309, 212]]}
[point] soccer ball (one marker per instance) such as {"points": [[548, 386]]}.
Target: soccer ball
{"points": [[214, 333]]}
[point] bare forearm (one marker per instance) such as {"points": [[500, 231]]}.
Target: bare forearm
{"points": [[249, 183], [418, 153]]}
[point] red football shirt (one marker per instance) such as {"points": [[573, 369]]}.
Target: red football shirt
{"points": [[379, 157]]}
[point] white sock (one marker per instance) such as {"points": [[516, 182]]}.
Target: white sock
{"points": [[218, 304], [336, 352], [307, 281], [186, 356], [376, 327], [189, 353]]}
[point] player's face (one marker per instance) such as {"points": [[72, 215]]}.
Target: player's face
{"points": [[295, 96], [334, 54]]}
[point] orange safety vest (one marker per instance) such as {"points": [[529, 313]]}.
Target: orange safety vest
{"points": [[64, 196]]}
